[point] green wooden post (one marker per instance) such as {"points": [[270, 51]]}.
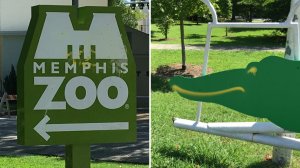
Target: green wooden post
{"points": [[77, 156]]}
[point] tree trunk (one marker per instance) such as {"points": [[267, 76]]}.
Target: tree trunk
{"points": [[182, 43], [234, 7], [166, 32], [251, 14]]}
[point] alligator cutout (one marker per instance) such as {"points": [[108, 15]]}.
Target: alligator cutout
{"points": [[266, 89]]}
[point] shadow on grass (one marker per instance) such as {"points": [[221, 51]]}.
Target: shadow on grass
{"points": [[197, 159], [137, 152], [158, 40], [159, 84], [259, 41], [194, 36], [263, 164], [153, 33], [189, 24], [237, 30]]}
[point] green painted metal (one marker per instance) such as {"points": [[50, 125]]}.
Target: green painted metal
{"points": [[77, 156], [267, 89], [29, 93]]}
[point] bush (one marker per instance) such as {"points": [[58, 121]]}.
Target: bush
{"points": [[10, 82]]}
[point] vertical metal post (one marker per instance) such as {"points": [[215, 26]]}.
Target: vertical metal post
{"points": [[292, 42], [75, 3], [206, 49], [110, 2], [199, 110], [283, 156], [77, 156], [205, 64]]}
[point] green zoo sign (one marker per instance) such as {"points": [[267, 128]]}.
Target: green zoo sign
{"points": [[76, 78]]}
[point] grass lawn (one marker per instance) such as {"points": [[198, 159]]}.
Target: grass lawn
{"points": [[173, 147], [196, 35], [54, 162]]}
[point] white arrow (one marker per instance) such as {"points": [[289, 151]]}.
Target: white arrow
{"points": [[43, 128]]}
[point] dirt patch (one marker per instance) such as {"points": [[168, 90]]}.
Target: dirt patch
{"points": [[175, 70]]}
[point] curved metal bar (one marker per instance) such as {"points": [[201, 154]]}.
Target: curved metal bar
{"points": [[212, 10]]}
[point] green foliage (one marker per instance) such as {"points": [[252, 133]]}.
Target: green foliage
{"points": [[164, 26], [130, 17], [250, 6], [277, 10], [225, 9], [185, 8], [201, 12], [10, 82], [162, 15]]}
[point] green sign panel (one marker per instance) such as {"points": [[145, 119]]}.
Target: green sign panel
{"points": [[266, 89], [76, 78]]}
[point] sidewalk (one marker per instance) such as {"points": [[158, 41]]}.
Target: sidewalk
{"points": [[131, 152], [201, 47]]}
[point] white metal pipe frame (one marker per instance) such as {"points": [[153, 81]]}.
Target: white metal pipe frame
{"points": [[267, 139], [259, 132]]}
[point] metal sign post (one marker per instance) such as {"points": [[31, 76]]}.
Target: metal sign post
{"points": [[75, 3], [76, 81]]}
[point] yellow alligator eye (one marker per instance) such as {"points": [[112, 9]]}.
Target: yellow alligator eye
{"points": [[252, 70]]}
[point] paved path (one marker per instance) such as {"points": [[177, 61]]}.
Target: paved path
{"points": [[130, 152], [201, 47]]}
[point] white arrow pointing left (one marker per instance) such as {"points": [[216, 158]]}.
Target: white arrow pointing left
{"points": [[43, 128]]}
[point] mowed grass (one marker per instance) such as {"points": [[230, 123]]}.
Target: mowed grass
{"points": [[54, 162], [173, 147], [196, 35]]}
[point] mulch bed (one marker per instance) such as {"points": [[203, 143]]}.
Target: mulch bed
{"points": [[175, 70]]}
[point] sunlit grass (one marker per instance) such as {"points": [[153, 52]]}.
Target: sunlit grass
{"points": [[196, 35], [173, 147], [54, 162]]}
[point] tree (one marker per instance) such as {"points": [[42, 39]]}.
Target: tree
{"points": [[276, 10], [162, 15], [164, 25], [184, 8], [251, 5], [164, 11], [234, 9], [201, 12], [225, 9], [129, 17]]}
